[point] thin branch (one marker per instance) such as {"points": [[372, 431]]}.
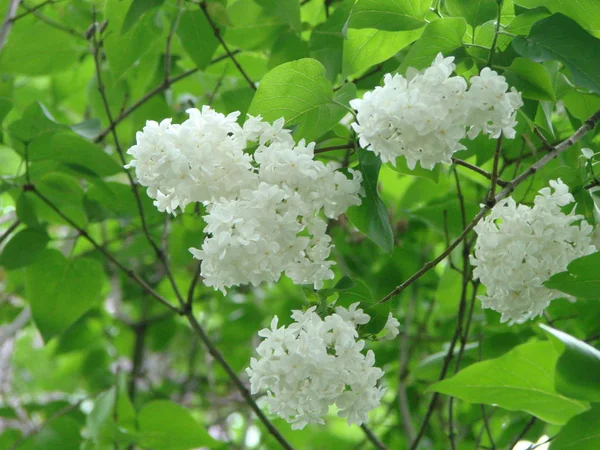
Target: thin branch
{"points": [[494, 179], [522, 434], [217, 32], [193, 284], [32, 10], [333, 147], [444, 370], [9, 230], [8, 22], [373, 71], [374, 439], [235, 379], [139, 328], [545, 142], [9, 330], [134, 187], [130, 273], [57, 415], [486, 425], [52, 23], [587, 126], [164, 85], [480, 171], [403, 405], [496, 31], [172, 31]]}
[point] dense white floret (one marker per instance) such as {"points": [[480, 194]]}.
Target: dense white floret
{"points": [[425, 115], [314, 363], [263, 209], [520, 247]]}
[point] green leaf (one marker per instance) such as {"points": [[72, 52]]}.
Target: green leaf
{"points": [[562, 39], [287, 10], [531, 79], [113, 416], [582, 432], [418, 171], [253, 26], [35, 122], [61, 433], [299, 92], [365, 48], [6, 105], [287, 47], [523, 22], [584, 12], [343, 284], [578, 366], [442, 35], [76, 152], [521, 380], [24, 248], [327, 40], [371, 217], [61, 290], [475, 12], [65, 193], [389, 15], [123, 50], [135, 12], [50, 51], [165, 425], [582, 278], [197, 37], [26, 209]]}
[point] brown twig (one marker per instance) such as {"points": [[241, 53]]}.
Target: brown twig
{"points": [[134, 187], [217, 32], [8, 22], [130, 273], [373, 71], [9, 230], [236, 380], [522, 434], [52, 23], [172, 31], [478, 170], [371, 437], [444, 370], [494, 180], [333, 147], [163, 86], [404, 358]]}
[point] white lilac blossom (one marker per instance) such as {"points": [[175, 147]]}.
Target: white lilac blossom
{"points": [[519, 247], [197, 161], [425, 115], [391, 328], [314, 363], [492, 108], [264, 210]]}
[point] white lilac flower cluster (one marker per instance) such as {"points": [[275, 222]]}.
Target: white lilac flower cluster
{"points": [[314, 363], [425, 115], [263, 209], [520, 247]]}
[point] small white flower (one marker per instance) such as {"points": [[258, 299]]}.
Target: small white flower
{"points": [[425, 115], [315, 363], [519, 247], [264, 210], [588, 153], [353, 314], [391, 328]]}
